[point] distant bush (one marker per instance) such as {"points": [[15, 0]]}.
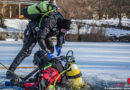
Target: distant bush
{"points": [[3, 35], [21, 35], [92, 37], [71, 37], [96, 34]]}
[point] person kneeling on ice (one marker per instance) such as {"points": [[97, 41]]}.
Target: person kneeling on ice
{"points": [[59, 73], [45, 23], [45, 76]]}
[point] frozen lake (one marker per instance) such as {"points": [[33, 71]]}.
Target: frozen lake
{"points": [[106, 61]]}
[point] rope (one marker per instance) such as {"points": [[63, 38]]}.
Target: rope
{"points": [[18, 67], [60, 75]]}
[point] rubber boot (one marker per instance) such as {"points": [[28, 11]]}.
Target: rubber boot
{"points": [[10, 73]]}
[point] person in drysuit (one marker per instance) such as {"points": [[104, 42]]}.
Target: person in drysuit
{"points": [[45, 76], [41, 29]]}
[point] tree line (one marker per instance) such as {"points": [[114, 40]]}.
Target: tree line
{"points": [[94, 9], [97, 9]]}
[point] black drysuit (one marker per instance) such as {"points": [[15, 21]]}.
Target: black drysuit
{"points": [[42, 35]]}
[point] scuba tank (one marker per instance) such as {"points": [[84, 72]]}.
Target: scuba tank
{"points": [[74, 76], [72, 73]]}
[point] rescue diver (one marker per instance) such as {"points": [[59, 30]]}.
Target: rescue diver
{"points": [[45, 76], [41, 31]]}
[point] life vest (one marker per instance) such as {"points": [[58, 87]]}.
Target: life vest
{"points": [[49, 75], [58, 65]]}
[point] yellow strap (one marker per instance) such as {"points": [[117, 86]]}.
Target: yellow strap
{"points": [[60, 75], [44, 16]]}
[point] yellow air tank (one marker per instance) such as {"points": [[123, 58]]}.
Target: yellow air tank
{"points": [[75, 77]]}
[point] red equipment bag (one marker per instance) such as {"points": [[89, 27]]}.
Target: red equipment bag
{"points": [[49, 75]]}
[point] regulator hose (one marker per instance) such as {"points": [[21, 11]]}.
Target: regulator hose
{"points": [[61, 74]]}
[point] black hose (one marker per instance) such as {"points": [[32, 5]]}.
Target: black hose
{"points": [[30, 74]]}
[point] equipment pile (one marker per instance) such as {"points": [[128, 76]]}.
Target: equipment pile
{"points": [[60, 73]]}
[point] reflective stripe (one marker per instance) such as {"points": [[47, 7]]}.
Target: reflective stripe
{"points": [[48, 66]]}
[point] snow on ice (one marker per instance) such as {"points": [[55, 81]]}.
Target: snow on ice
{"points": [[108, 31], [98, 62]]}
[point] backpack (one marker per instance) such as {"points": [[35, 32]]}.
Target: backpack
{"points": [[35, 11], [58, 65]]}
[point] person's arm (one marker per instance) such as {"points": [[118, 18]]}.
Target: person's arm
{"points": [[60, 39], [41, 39], [59, 43], [47, 24]]}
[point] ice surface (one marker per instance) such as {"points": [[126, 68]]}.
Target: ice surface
{"points": [[97, 61]]}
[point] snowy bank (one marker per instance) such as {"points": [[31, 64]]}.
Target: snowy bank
{"points": [[18, 25], [109, 31]]}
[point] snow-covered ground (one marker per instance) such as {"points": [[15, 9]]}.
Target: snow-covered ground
{"points": [[109, 31], [99, 62], [115, 22], [16, 25]]}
